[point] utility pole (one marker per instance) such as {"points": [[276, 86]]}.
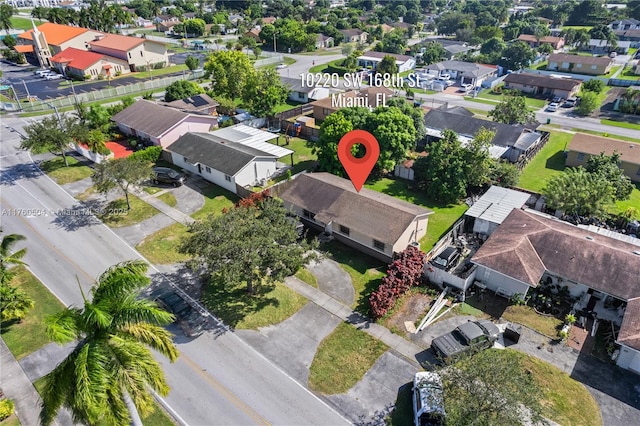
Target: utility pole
{"points": [[275, 50], [15, 95], [27, 90]]}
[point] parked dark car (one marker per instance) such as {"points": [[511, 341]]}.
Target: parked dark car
{"points": [[428, 399], [570, 103], [168, 176], [474, 335], [446, 259]]}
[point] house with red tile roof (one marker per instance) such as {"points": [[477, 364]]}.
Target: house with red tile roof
{"points": [[83, 63], [138, 52]]}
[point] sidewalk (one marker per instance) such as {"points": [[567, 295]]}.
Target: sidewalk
{"points": [[173, 213], [17, 386], [399, 344]]}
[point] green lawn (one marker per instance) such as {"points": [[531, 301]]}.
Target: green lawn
{"points": [[117, 216], [168, 198], [628, 74], [20, 23], [161, 248], [270, 305], [289, 104], [440, 221], [29, 335], [62, 174], [215, 200], [323, 67], [611, 72], [365, 271], [342, 359], [623, 124], [152, 189], [633, 202], [303, 274], [159, 72], [548, 163], [528, 317], [303, 157], [12, 420]]}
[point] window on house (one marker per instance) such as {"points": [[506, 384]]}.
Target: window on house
{"points": [[578, 65], [326, 111], [208, 169], [593, 67], [580, 156], [344, 230], [141, 54], [638, 172], [129, 55], [309, 215], [378, 244], [227, 178]]}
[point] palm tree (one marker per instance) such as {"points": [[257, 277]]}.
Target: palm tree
{"points": [[7, 256], [106, 379], [6, 12], [14, 303]]}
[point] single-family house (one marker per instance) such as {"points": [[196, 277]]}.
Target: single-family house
{"points": [[140, 53], [200, 104], [601, 272], [380, 226], [304, 93], [452, 48], [510, 142], [542, 85], [401, 26], [632, 36], [625, 24], [160, 125], [234, 157], [534, 42], [49, 39], [603, 47], [323, 41], [165, 23], [370, 97], [591, 65], [583, 146], [89, 65], [354, 35], [253, 33], [268, 20], [371, 59], [463, 72]]}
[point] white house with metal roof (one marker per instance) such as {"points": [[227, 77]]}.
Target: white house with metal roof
{"points": [[236, 156], [488, 212]]}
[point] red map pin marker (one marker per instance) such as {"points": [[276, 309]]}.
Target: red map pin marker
{"points": [[358, 169]]}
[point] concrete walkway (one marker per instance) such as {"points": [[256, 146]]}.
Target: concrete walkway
{"points": [[395, 342], [173, 213], [17, 387]]}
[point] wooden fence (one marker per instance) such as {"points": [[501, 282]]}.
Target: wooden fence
{"points": [[525, 158]]}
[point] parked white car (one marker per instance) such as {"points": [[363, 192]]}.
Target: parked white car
{"points": [[553, 106], [53, 77], [40, 73], [281, 66]]}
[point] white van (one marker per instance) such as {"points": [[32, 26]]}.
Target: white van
{"points": [[39, 73]]}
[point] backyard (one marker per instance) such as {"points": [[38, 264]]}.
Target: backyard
{"points": [[303, 157], [548, 163]]}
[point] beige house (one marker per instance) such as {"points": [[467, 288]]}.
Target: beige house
{"points": [[542, 85], [371, 97], [591, 65], [555, 42], [354, 35], [374, 223], [583, 146], [139, 53], [86, 64]]}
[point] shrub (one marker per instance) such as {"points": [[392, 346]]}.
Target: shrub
{"points": [[593, 85], [403, 273], [150, 153], [118, 73], [158, 66], [100, 77], [6, 408], [570, 319]]}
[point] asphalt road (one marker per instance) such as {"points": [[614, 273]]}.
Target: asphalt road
{"points": [[218, 378]]}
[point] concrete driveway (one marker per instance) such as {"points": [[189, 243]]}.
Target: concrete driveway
{"points": [[333, 280], [292, 344]]}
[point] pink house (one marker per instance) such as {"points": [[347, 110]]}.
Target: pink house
{"points": [[159, 124]]}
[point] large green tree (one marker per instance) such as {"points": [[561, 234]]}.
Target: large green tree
{"points": [[6, 12], [588, 103], [107, 377], [517, 55], [230, 71], [491, 388], [608, 167], [53, 135], [253, 243], [121, 173], [14, 304], [393, 129], [576, 191], [512, 109], [387, 65], [264, 92], [182, 89]]}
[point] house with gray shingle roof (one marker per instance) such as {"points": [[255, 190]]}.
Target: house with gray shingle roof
{"points": [[236, 156], [379, 226], [160, 125]]}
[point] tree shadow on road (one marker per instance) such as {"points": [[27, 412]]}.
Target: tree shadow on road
{"points": [[11, 174], [78, 216]]}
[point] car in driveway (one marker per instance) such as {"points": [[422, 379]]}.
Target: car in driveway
{"points": [[168, 176], [553, 107], [468, 337], [570, 103], [428, 399]]}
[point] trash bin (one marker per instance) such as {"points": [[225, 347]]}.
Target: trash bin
{"points": [[513, 332], [548, 121]]}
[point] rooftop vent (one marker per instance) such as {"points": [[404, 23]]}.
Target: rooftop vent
{"points": [[589, 238], [636, 252]]}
